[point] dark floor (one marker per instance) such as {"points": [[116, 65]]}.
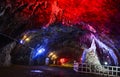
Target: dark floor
{"points": [[40, 71]]}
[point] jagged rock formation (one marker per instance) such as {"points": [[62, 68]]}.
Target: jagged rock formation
{"points": [[27, 14]]}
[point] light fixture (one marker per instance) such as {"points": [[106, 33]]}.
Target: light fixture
{"points": [[27, 39], [106, 63], [50, 54], [40, 51], [21, 41]]}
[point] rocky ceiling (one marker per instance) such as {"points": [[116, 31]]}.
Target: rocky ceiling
{"points": [[17, 16]]}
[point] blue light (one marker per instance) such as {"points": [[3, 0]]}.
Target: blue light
{"points": [[40, 51], [21, 41]]}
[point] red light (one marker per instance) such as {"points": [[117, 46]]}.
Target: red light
{"points": [[62, 60]]}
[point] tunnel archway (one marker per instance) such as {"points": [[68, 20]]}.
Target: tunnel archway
{"points": [[59, 37]]}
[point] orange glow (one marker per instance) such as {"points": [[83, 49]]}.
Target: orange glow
{"points": [[62, 60]]}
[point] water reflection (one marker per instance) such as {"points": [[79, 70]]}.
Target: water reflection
{"points": [[36, 71]]}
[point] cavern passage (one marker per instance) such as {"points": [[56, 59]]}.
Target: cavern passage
{"points": [[74, 29]]}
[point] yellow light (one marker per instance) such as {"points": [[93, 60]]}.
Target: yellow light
{"points": [[50, 54], [24, 37], [54, 56], [27, 39]]}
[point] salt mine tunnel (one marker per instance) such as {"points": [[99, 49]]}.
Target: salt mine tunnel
{"points": [[81, 30]]}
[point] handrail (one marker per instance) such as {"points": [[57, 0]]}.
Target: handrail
{"points": [[110, 71]]}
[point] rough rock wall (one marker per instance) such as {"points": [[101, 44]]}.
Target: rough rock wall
{"points": [[5, 57]]}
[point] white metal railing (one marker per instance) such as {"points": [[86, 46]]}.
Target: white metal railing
{"points": [[110, 71]]}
